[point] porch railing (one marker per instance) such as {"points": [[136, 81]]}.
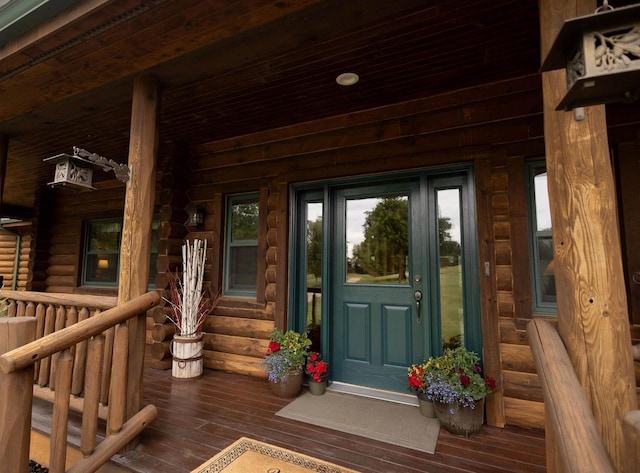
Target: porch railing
{"points": [[17, 368], [573, 441]]}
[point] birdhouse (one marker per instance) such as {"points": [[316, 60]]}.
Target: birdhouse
{"points": [[601, 54], [72, 172]]}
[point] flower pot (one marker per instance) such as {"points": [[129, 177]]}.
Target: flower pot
{"points": [[290, 385], [426, 406], [187, 357], [458, 419], [317, 388]]}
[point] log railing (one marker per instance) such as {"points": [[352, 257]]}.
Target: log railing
{"points": [[573, 441], [53, 312], [17, 368]]}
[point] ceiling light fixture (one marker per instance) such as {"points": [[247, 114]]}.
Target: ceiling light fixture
{"points": [[347, 78]]}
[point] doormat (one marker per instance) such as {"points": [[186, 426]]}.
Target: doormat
{"points": [[390, 422], [249, 456]]}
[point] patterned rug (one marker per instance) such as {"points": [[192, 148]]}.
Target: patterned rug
{"points": [[250, 456]]}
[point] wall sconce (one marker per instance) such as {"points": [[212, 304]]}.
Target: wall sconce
{"points": [[76, 171], [601, 53], [195, 216]]}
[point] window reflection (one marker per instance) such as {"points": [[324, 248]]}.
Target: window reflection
{"points": [[450, 267], [314, 273], [377, 240]]}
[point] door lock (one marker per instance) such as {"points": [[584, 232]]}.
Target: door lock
{"points": [[418, 297]]}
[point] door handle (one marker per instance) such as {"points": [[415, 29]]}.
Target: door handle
{"points": [[418, 297]]}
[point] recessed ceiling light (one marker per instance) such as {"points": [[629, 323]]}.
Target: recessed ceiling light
{"points": [[347, 78]]}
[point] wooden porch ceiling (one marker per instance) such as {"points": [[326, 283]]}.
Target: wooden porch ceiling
{"points": [[229, 68]]}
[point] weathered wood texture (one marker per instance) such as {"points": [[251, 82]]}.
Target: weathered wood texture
{"points": [[592, 303], [68, 310], [16, 396], [19, 362], [569, 419]]}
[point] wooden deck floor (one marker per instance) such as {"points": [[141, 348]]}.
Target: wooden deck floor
{"points": [[199, 418]]}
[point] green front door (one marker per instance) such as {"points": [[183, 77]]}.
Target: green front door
{"points": [[376, 328], [385, 275]]}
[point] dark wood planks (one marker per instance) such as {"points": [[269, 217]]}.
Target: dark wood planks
{"points": [[198, 419]]}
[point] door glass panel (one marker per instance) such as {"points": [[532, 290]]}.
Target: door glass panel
{"points": [[313, 279], [377, 240], [545, 285], [450, 267]]}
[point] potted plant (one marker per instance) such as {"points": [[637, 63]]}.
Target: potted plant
{"points": [[190, 308], [285, 360], [417, 379], [457, 387], [318, 371]]}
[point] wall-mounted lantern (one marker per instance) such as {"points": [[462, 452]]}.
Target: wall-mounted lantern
{"points": [[76, 171], [195, 215], [601, 53]]}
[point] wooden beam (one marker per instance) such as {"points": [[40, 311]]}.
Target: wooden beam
{"points": [[135, 248], [64, 19], [592, 307]]}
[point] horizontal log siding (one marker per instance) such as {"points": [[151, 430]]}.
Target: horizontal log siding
{"points": [[501, 121], [69, 211]]}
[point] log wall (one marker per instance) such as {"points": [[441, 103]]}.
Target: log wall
{"points": [[499, 122], [497, 127]]}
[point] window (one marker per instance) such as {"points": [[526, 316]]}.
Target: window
{"points": [[241, 252], [540, 238], [102, 252]]}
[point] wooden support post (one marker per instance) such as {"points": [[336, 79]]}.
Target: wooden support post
{"points": [[16, 396], [592, 307], [135, 250]]}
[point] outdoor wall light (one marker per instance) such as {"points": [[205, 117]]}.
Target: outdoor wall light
{"points": [[195, 216], [601, 53], [76, 171]]}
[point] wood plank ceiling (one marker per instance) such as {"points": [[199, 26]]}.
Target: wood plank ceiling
{"points": [[229, 68]]}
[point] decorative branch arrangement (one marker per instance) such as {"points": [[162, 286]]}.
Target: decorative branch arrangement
{"points": [[188, 301]]}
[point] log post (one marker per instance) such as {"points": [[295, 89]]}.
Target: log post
{"points": [[16, 397], [593, 317], [136, 230]]}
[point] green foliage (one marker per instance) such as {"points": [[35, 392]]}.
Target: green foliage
{"points": [[286, 350], [456, 377], [386, 244], [314, 247]]}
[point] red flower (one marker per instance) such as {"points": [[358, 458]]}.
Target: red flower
{"points": [[477, 369], [415, 382], [464, 380], [313, 356], [273, 346], [491, 383]]}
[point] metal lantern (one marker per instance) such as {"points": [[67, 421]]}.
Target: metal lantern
{"points": [[601, 53], [76, 171], [72, 172]]}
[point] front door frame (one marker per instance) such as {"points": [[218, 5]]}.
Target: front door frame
{"points": [[322, 191]]}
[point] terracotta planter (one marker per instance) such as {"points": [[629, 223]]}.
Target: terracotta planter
{"points": [[426, 406], [290, 385], [458, 419], [317, 388], [187, 357]]}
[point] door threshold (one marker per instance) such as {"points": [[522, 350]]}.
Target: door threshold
{"points": [[393, 396]]}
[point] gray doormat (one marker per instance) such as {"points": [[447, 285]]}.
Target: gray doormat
{"points": [[389, 422]]}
